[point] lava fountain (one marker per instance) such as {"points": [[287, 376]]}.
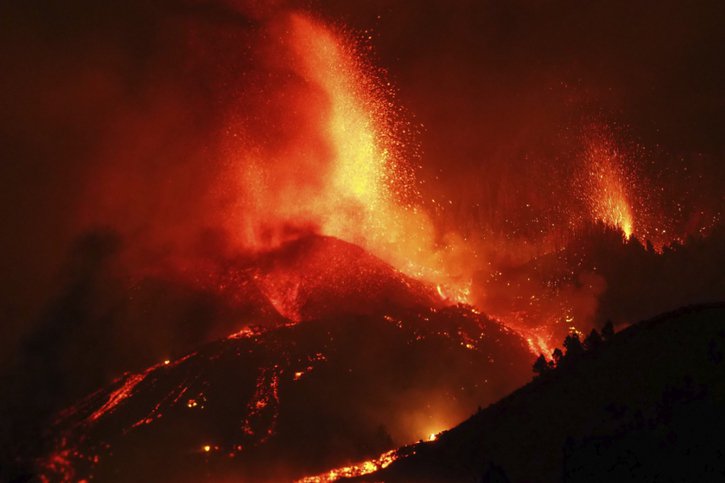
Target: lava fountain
{"points": [[609, 192], [359, 186]]}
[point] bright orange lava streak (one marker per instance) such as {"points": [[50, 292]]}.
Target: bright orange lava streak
{"points": [[358, 469]]}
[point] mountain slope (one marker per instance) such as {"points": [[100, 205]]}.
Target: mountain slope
{"points": [[646, 406], [276, 404]]}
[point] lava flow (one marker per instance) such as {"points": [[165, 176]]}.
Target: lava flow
{"points": [[357, 469], [280, 404]]}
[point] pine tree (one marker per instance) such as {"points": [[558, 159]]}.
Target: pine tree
{"points": [[541, 366], [573, 345], [593, 340]]}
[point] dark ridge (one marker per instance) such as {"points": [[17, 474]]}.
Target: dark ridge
{"points": [[290, 401], [646, 406]]}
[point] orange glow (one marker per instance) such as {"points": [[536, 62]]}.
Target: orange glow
{"points": [[123, 392], [539, 339], [358, 469], [244, 333], [359, 186], [265, 401], [609, 199], [338, 162]]}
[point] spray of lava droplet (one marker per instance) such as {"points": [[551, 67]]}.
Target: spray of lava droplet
{"points": [[362, 189], [609, 190]]}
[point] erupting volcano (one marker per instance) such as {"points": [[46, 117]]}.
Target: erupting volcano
{"points": [[286, 243], [357, 184]]}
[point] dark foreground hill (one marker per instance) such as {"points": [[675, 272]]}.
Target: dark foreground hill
{"points": [[646, 406], [280, 404]]}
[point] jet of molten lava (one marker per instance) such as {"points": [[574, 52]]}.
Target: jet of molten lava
{"points": [[358, 188], [609, 198]]}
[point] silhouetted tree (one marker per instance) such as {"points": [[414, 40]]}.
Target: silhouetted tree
{"points": [[541, 366], [573, 345], [557, 356], [593, 340], [608, 331]]}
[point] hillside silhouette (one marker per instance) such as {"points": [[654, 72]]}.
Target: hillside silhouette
{"points": [[645, 406]]}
